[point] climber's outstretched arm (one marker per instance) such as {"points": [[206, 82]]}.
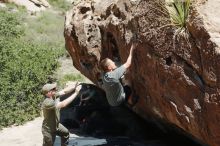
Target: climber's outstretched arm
{"points": [[127, 64]]}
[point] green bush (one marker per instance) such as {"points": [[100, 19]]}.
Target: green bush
{"points": [[71, 77], [46, 29], [24, 68], [61, 4], [10, 25]]}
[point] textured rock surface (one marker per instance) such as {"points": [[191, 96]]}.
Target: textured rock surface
{"points": [[210, 12], [177, 79]]}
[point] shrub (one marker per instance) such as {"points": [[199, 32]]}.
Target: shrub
{"points": [[24, 71], [10, 25], [47, 29], [24, 67], [61, 4], [71, 77]]}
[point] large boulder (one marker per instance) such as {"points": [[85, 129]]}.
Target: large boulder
{"points": [[176, 77]]}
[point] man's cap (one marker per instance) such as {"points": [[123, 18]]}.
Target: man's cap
{"points": [[47, 87]]}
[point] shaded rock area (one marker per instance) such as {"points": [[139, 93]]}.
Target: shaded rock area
{"points": [[31, 5], [90, 115], [177, 79]]}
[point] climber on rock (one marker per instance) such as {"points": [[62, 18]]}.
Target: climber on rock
{"points": [[116, 93]]}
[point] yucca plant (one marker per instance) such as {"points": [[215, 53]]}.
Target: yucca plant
{"points": [[175, 14], [176, 11], [179, 12]]}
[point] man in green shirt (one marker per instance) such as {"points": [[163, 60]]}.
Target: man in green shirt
{"points": [[51, 111]]}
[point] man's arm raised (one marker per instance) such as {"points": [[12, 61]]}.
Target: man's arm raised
{"points": [[127, 64], [67, 101], [70, 88]]}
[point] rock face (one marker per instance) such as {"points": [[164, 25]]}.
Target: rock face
{"points": [[177, 78]]}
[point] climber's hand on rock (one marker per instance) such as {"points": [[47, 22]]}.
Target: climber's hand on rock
{"points": [[134, 45]]}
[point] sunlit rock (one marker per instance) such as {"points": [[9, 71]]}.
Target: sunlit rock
{"points": [[176, 76]]}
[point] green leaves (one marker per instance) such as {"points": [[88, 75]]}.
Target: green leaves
{"points": [[24, 68], [179, 12], [70, 77], [10, 25], [61, 4]]}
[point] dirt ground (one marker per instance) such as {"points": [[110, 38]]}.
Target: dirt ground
{"points": [[29, 134]]}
